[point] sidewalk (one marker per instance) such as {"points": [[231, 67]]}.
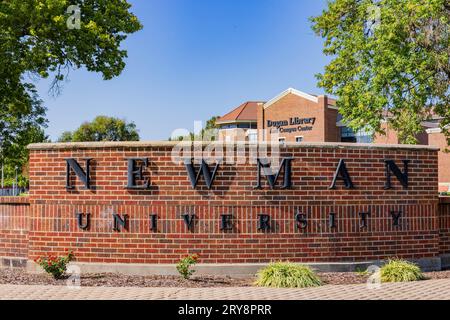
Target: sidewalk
{"points": [[422, 290]]}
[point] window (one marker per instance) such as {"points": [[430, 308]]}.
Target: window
{"points": [[299, 139], [361, 136], [282, 140], [239, 126]]}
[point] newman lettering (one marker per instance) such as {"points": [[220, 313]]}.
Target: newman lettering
{"points": [[136, 167]]}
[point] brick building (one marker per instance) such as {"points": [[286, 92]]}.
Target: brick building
{"points": [[295, 116]]}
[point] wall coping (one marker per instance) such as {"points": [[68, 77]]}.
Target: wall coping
{"points": [[140, 144], [15, 200]]}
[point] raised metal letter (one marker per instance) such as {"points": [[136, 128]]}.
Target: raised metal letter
{"points": [[225, 222], [396, 218], [391, 166], [363, 222], [136, 173], [272, 179], [332, 220], [80, 217], [153, 222], [264, 222], [342, 174], [301, 220], [120, 222], [204, 170], [189, 220], [83, 176]]}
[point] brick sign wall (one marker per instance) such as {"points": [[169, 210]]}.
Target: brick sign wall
{"points": [[444, 224], [232, 222], [14, 226]]}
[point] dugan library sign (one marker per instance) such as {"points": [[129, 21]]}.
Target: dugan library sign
{"points": [[122, 205]]}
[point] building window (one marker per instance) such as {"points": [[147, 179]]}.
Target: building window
{"points": [[361, 136], [244, 125], [282, 140], [299, 139]]}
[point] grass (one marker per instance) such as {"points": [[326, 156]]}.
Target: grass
{"points": [[362, 271], [398, 270], [287, 275]]}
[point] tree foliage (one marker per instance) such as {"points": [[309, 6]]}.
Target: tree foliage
{"points": [[36, 43], [390, 59], [103, 128], [207, 133]]}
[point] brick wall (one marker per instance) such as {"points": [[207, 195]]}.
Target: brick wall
{"points": [[391, 137], [54, 229], [438, 139], [444, 225], [14, 219]]}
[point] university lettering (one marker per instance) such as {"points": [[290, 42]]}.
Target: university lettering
{"points": [[226, 222]]}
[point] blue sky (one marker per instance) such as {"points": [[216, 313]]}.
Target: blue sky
{"points": [[195, 59]]}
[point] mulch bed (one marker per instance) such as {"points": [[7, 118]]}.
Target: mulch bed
{"points": [[19, 277]]}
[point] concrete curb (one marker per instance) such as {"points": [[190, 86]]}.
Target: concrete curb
{"points": [[234, 270]]}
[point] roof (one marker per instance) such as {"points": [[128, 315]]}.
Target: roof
{"points": [[245, 112], [291, 91], [248, 110]]}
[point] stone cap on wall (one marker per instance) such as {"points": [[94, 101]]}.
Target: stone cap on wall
{"points": [[15, 200], [141, 144]]}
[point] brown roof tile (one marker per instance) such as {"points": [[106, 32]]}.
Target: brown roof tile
{"points": [[246, 111]]}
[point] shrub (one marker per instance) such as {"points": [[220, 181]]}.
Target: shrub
{"points": [[185, 264], [400, 271], [56, 266], [287, 275]]}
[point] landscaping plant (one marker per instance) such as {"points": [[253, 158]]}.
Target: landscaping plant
{"points": [[287, 275], [398, 270], [185, 264], [56, 266]]}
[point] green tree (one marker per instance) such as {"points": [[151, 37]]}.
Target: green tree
{"points": [[66, 136], [208, 133], [42, 39], [390, 59], [103, 128], [19, 126]]}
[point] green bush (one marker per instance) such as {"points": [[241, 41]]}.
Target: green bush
{"points": [[400, 271], [287, 275], [56, 266], [185, 264]]}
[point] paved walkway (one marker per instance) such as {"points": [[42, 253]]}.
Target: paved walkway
{"points": [[422, 290]]}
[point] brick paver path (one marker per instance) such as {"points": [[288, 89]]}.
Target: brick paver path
{"points": [[422, 290]]}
